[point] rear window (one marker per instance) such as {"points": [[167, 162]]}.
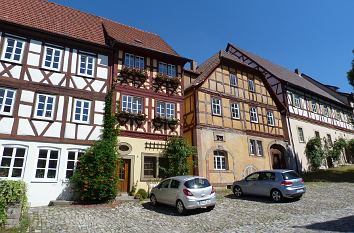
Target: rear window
{"points": [[290, 175], [197, 183]]}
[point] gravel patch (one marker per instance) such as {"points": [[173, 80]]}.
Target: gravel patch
{"points": [[325, 207]]}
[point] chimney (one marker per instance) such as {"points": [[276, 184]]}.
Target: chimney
{"points": [[194, 65], [297, 71]]}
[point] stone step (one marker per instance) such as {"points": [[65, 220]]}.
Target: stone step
{"points": [[60, 203]]}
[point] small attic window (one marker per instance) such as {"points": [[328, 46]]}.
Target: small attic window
{"points": [[138, 41]]}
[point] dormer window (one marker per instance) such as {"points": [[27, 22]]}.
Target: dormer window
{"points": [[86, 65], [134, 61], [168, 69], [13, 50], [52, 58]]}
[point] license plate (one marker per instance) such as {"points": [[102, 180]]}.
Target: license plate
{"points": [[204, 202], [299, 190]]}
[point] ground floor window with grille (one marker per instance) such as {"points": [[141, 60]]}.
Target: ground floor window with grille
{"points": [[47, 164], [73, 157], [153, 167], [220, 160], [12, 161]]}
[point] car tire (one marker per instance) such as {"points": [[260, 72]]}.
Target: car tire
{"points": [[180, 208], [276, 195], [153, 200], [210, 208], [237, 191]]}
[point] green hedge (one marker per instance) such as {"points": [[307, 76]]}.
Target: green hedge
{"points": [[11, 192]]}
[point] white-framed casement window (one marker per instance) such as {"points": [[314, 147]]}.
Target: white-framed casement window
{"points": [[132, 104], [270, 118], [216, 106], [251, 86], [259, 148], [45, 106], [12, 161], [81, 111], [13, 50], [220, 158], [235, 111], [233, 80], [254, 114], [134, 61], [256, 147], [152, 167], [86, 65], [297, 101], [7, 101], [52, 58], [47, 164], [325, 110], [300, 133], [314, 106], [73, 157], [167, 69], [166, 110], [252, 146]]}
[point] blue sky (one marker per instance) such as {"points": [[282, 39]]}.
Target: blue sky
{"points": [[316, 36]]}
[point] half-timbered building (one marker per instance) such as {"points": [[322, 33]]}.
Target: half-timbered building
{"points": [[234, 119], [313, 109]]}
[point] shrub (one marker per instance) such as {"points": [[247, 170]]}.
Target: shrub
{"points": [[11, 192], [141, 194], [315, 153], [335, 151], [95, 178]]}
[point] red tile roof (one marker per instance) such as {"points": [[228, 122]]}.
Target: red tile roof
{"points": [[68, 22]]}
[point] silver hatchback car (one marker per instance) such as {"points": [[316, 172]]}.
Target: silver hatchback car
{"points": [[278, 184], [184, 192]]}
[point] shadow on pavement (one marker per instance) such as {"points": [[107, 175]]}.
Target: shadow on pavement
{"points": [[345, 224], [258, 199], [170, 210]]}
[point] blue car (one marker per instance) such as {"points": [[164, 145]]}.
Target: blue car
{"points": [[277, 184]]}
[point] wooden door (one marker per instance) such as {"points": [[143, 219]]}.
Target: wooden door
{"points": [[123, 175]]}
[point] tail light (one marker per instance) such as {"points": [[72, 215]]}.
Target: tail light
{"points": [[212, 190], [286, 183], [302, 180], [187, 192]]}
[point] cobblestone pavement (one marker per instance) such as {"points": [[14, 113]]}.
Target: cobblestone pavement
{"points": [[325, 207]]}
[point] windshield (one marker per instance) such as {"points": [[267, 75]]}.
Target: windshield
{"points": [[197, 183], [291, 175]]}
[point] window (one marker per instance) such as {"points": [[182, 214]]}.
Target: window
{"points": [[254, 115], [82, 111], [52, 58], [197, 183], [167, 69], [216, 106], [329, 139], [165, 110], [251, 86], [86, 65], [44, 107], [235, 111], [259, 148], [270, 118], [325, 110], [134, 61], [13, 50], [338, 115], [174, 184], [73, 157], [233, 80], [164, 184], [47, 164], [256, 147], [7, 99], [132, 104], [219, 160], [314, 106], [252, 147], [297, 101], [12, 162], [300, 132], [152, 167], [252, 177], [317, 134]]}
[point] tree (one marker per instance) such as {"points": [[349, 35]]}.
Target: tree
{"points": [[350, 74], [315, 153], [177, 152], [95, 178]]}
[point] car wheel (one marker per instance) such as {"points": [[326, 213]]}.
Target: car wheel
{"points": [[210, 208], [276, 195], [153, 200], [180, 207], [237, 191]]}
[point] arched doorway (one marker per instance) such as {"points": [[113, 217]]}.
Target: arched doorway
{"points": [[277, 155]]}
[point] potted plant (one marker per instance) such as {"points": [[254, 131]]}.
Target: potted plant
{"points": [[161, 79], [158, 122], [172, 123], [173, 83], [139, 118], [123, 117]]}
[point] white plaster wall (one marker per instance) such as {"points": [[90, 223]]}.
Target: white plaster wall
{"points": [[35, 46], [8, 122], [41, 193], [33, 59], [309, 132]]}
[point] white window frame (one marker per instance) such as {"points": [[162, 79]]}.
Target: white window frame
{"points": [[166, 110], [260, 151], [77, 152], [301, 135], [45, 109], [314, 106], [220, 160], [253, 115], [55, 49], [2, 107], [256, 147], [168, 69], [270, 118], [85, 73], [251, 85], [134, 61], [11, 59], [252, 147], [82, 111], [134, 104], [297, 101], [235, 110], [233, 80], [13, 157], [216, 106], [46, 168]]}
